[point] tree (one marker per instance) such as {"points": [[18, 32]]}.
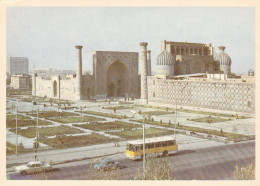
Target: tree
{"points": [[51, 101], [13, 106], [244, 173], [234, 130], [21, 146], [156, 169]]}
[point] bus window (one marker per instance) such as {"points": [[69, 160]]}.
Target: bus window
{"points": [[130, 147], [158, 144], [150, 146], [170, 143], [137, 148], [164, 144]]}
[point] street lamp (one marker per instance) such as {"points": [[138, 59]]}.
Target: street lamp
{"points": [[143, 142], [144, 148], [16, 124], [37, 132]]}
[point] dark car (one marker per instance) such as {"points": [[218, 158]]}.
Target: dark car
{"points": [[108, 164]]}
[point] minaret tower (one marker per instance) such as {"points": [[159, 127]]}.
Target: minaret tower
{"points": [[144, 71], [79, 74]]}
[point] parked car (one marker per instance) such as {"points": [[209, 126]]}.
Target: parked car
{"points": [[33, 167], [108, 164]]}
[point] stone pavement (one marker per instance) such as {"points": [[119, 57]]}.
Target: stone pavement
{"points": [[61, 156]]}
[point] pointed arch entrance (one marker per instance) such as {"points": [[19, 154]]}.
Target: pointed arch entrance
{"points": [[117, 79]]}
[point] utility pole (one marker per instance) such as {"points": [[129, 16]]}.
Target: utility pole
{"points": [[175, 111], [16, 150], [143, 149], [37, 133]]}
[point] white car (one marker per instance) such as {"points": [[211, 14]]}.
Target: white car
{"points": [[33, 167]]}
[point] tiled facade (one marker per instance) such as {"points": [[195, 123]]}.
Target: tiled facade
{"points": [[222, 95]]}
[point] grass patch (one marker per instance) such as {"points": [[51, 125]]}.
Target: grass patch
{"points": [[135, 134], [19, 117], [126, 102], [105, 114], [11, 148], [228, 135], [49, 114], [107, 126], [121, 107], [155, 113], [47, 131], [77, 141], [11, 123], [78, 119], [209, 119], [196, 112]]}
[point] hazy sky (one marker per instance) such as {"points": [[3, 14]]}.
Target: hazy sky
{"points": [[47, 35]]}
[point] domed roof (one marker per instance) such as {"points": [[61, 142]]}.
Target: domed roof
{"points": [[224, 58], [165, 58]]}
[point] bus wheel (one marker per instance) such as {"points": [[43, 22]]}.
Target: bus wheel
{"points": [[165, 153]]}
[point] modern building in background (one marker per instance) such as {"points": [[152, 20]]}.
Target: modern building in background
{"points": [[18, 65], [22, 81]]}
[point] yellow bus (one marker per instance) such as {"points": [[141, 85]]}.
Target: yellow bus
{"points": [[160, 146]]}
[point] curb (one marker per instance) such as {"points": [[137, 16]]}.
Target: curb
{"points": [[74, 160]]}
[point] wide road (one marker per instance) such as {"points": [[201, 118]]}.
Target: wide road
{"points": [[216, 163]]}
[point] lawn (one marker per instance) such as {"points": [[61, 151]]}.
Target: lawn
{"points": [[196, 112], [78, 119], [19, 117], [49, 114], [138, 133], [107, 126], [155, 113], [11, 148], [209, 119], [77, 141], [105, 114], [47, 131], [228, 135], [121, 107], [11, 123]]}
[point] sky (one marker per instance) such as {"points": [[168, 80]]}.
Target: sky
{"points": [[48, 35]]}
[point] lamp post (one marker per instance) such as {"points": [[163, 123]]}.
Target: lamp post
{"points": [[143, 148], [16, 124], [143, 142], [37, 132]]}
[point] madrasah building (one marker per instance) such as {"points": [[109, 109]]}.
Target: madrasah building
{"points": [[187, 74]]}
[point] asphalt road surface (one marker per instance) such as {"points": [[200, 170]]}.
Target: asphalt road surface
{"points": [[216, 163]]}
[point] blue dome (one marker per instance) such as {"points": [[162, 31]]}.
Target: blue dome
{"points": [[224, 58], [165, 58]]}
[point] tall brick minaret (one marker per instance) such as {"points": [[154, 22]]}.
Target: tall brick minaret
{"points": [[79, 73]]}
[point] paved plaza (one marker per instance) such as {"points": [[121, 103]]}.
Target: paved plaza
{"points": [[242, 126]]}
